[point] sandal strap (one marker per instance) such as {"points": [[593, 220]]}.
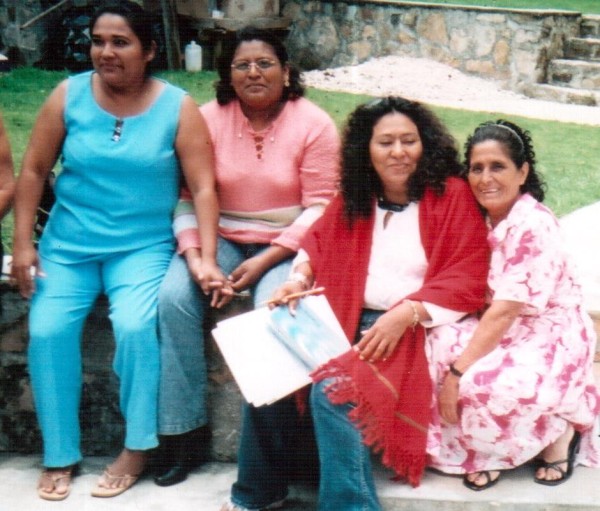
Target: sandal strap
{"points": [[555, 465], [54, 476], [114, 478]]}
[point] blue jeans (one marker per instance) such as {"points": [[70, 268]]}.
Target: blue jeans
{"points": [[182, 309], [266, 454], [346, 477]]}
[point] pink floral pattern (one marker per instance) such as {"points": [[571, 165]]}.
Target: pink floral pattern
{"points": [[516, 400]]}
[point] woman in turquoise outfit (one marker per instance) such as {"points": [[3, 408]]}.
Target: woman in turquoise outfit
{"points": [[123, 138]]}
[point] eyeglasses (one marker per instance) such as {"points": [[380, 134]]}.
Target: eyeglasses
{"points": [[260, 65]]}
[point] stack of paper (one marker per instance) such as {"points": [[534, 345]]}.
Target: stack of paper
{"points": [[271, 353]]}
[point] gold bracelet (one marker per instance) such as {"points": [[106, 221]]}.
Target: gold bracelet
{"points": [[415, 318]]}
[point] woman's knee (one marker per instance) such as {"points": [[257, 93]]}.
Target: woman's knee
{"points": [[50, 325], [135, 324]]}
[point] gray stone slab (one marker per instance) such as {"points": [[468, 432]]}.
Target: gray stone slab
{"points": [[208, 487]]}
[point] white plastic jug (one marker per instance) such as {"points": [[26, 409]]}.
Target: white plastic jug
{"points": [[193, 57]]}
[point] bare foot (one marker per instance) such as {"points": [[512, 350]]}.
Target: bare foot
{"points": [[556, 451]]}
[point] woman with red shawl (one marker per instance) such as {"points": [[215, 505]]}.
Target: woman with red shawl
{"points": [[401, 250]]}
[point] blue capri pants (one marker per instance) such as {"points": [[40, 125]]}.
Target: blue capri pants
{"points": [[62, 301]]}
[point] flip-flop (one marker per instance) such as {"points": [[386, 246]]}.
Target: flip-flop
{"points": [[123, 482], [53, 476], [478, 487], [555, 465]]}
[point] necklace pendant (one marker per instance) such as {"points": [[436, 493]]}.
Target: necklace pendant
{"points": [[118, 130], [391, 206], [386, 218]]}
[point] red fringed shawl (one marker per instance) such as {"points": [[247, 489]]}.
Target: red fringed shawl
{"points": [[393, 398]]}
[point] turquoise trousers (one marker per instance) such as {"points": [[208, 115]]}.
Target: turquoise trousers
{"points": [[62, 300]]}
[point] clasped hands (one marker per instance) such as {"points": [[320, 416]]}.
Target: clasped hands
{"points": [[221, 288]]}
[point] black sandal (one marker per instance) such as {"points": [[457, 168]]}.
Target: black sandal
{"points": [[478, 487], [555, 465]]}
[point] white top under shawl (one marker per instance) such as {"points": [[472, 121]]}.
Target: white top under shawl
{"points": [[397, 265]]}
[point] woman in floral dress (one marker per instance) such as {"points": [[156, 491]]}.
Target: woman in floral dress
{"points": [[520, 386]]}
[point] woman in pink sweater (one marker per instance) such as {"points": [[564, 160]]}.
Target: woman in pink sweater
{"points": [[276, 162]]}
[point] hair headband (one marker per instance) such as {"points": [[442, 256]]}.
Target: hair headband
{"points": [[513, 132]]}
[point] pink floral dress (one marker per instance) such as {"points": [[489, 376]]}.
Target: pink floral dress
{"points": [[516, 400]]}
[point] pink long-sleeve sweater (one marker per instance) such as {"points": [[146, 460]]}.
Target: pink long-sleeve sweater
{"points": [[272, 184]]}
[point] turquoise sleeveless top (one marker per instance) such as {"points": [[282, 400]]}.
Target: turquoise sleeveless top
{"points": [[119, 181]]}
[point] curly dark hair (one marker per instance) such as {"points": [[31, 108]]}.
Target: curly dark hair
{"points": [[519, 147], [360, 182], [226, 93]]}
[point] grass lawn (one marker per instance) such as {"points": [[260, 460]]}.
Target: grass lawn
{"points": [[583, 6], [567, 153]]}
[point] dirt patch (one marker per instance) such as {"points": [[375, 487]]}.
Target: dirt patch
{"points": [[438, 84]]}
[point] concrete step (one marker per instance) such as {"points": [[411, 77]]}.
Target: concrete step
{"points": [[558, 94], [582, 48], [208, 486], [576, 74], [590, 26]]}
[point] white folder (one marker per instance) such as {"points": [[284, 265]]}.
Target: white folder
{"points": [[263, 365]]}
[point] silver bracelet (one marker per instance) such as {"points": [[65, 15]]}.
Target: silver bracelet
{"points": [[300, 278]]}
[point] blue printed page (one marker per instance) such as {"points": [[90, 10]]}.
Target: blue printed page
{"points": [[313, 334]]}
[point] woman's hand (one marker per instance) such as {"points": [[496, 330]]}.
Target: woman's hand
{"points": [[248, 273], [25, 266], [492, 327], [213, 282], [209, 277], [379, 341], [285, 290], [448, 399]]}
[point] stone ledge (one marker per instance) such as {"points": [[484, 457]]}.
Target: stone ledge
{"points": [[209, 485], [101, 421], [102, 425], [459, 6]]}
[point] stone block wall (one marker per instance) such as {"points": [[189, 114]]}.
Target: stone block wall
{"points": [[102, 426], [25, 45], [513, 46]]}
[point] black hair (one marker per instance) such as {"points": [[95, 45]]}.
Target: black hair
{"points": [[519, 147], [360, 182], [137, 18], [225, 92]]}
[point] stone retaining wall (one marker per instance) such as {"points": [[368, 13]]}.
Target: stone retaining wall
{"points": [[513, 46], [510, 45], [101, 421]]}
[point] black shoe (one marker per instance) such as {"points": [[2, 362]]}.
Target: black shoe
{"points": [[180, 454]]}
